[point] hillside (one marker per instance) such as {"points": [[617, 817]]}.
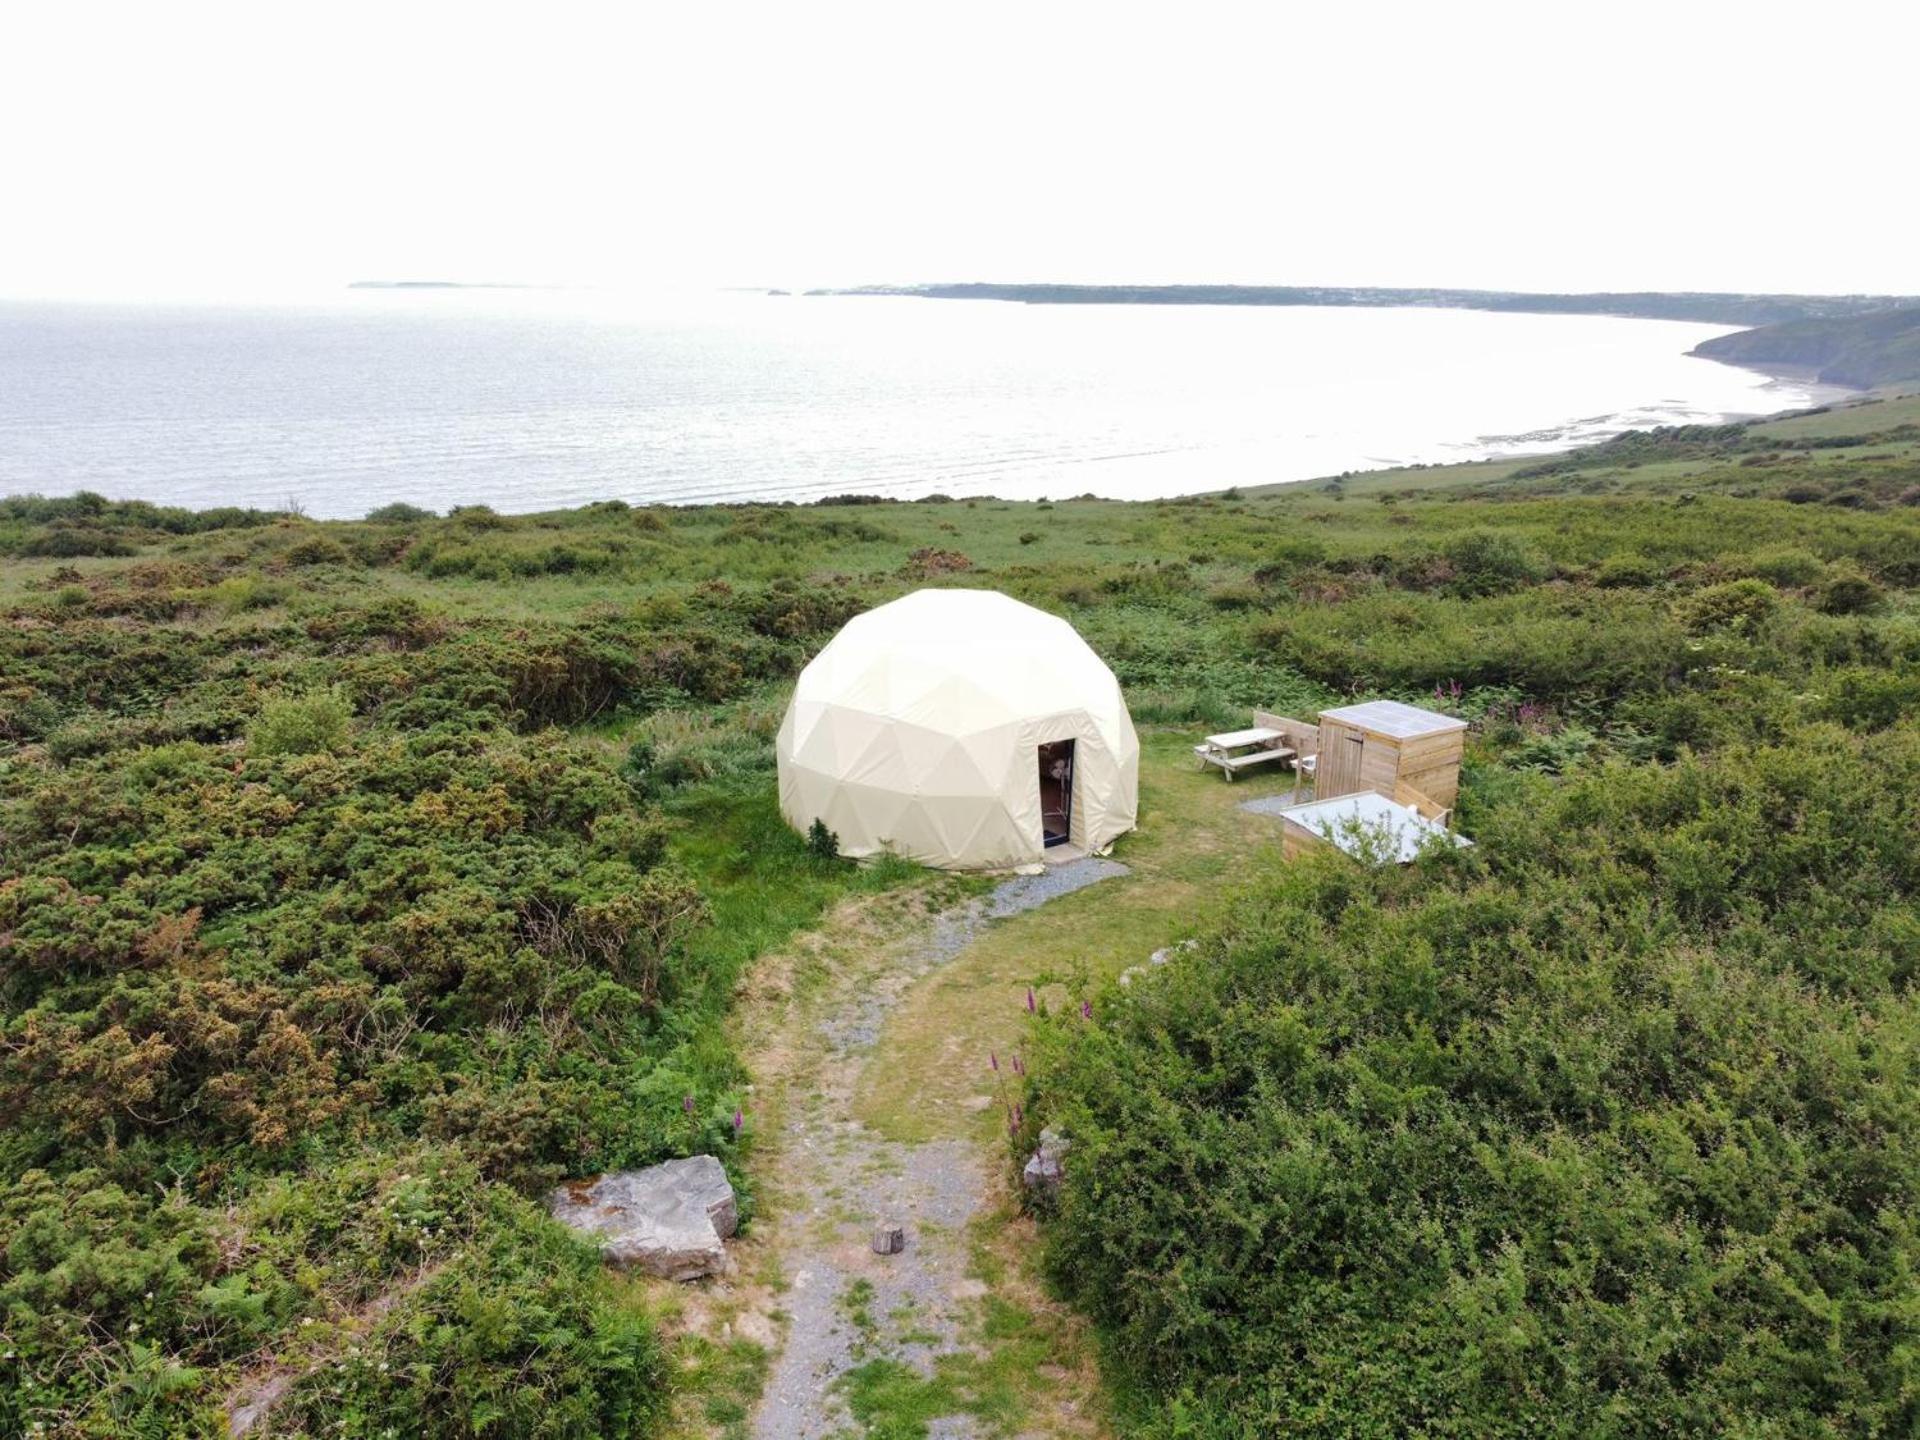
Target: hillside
{"points": [[1864, 351], [359, 880]]}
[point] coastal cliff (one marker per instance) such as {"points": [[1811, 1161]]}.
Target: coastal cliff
{"points": [[1863, 351]]}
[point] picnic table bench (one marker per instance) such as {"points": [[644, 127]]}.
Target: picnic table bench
{"points": [[1236, 750]]}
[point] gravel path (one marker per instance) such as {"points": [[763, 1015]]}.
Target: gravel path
{"points": [[1269, 804], [838, 1179]]}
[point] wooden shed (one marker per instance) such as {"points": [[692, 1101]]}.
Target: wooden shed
{"points": [[1399, 751]]}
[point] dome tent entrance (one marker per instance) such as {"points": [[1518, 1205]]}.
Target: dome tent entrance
{"points": [[937, 726]]}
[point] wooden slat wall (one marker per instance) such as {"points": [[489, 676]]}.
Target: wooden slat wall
{"points": [[1431, 765], [1380, 765]]}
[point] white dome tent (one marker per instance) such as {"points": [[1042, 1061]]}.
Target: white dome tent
{"points": [[963, 730]]}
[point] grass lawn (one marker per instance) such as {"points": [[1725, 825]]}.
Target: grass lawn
{"points": [[930, 1075]]}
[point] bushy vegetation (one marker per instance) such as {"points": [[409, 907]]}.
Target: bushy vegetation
{"points": [[359, 880], [325, 948], [1607, 1126]]}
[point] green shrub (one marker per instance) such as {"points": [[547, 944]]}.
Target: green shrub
{"points": [[302, 724], [1486, 562], [1848, 592], [1871, 698], [1237, 595], [521, 1337], [1576, 643], [1784, 565], [1554, 752], [1288, 556], [66, 542], [1733, 605], [398, 512], [316, 549], [239, 593], [1628, 571]]}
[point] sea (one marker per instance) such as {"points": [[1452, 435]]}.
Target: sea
{"points": [[530, 400]]}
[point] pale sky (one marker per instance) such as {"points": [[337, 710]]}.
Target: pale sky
{"points": [[262, 148]]}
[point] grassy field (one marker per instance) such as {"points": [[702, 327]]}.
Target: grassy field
{"points": [[1194, 846], [358, 880]]}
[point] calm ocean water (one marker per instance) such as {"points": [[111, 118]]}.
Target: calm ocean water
{"points": [[529, 400]]}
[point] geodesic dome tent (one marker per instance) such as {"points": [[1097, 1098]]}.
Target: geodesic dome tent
{"points": [[962, 729]]}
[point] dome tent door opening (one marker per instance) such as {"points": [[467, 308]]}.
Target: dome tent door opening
{"points": [[1056, 793], [920, 728]]}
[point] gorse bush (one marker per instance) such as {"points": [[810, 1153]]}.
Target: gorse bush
{"points": [[1488, 563], [1736, 605], [1784, 565], [1628, 571], [301, 724], [398, 513], [1607, 1127], [515, 1335], [312, 919], [420, 937], [316, 549], [1848, 592]]}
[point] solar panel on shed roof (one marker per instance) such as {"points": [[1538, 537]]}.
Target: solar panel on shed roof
{"points": [[1391, 718]]}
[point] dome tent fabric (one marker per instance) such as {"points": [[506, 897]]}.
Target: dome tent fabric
{"points": [[919, 728]]}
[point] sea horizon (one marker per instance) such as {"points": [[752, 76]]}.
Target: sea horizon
{"points": [[532, 398]]}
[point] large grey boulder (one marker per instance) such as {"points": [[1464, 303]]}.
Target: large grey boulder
{"points": [[668, 1220]]}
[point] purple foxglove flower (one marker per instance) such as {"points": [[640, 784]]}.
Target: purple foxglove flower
{"points": [[1030, 1005], [686, 1105], [993, 1060], [1086, 1009], [738, 1121]]}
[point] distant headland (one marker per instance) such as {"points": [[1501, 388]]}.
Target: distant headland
{"points": [[1705, 306], [1861, 341]]}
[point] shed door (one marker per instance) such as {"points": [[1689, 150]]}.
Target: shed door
{"points": [[1337, 771]]}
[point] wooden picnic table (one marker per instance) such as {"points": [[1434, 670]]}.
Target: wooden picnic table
{"points": [[1237, 750]]}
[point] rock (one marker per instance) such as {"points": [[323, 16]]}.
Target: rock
{"points": [[889, 1239], [669, 1220], [1046, 1168]]}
